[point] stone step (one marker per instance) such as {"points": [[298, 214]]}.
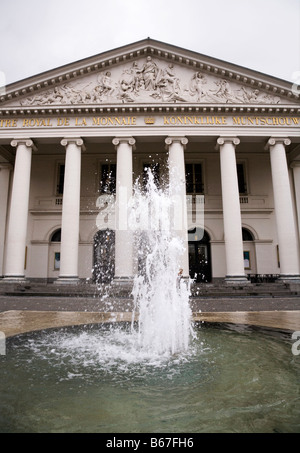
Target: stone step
{"points": [[278, 289]]}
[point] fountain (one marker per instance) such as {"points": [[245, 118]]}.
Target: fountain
{"points": [[160, 374], [161, 297]]}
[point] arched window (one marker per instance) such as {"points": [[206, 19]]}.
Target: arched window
{"points": [[247, 235], [56, 236]]}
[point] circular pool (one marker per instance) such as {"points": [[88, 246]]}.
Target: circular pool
{"points": [[96, 378]]}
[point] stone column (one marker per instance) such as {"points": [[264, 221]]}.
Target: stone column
{"points": [[176, 147], [296, 177], [70, 211], [5, 170], [18, 216], [231, 211], [124, 237], [286, 231]]}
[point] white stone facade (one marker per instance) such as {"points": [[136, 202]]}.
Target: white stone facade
{"points": [[227, 139]]}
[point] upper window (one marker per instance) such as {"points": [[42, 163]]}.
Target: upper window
{"points": [[108, 178], [194, 179], [241, 174], [60, 179]]}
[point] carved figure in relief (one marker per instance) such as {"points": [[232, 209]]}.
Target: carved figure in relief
{"points": [[105, 87], [170, 79], [50, 97], [151, 82], [248, 96], [149, 73], [82, 96], [255, 96], [130, 83], [223, 92], [38, 100], [137, 81], [269, 99], [55, 97], [62, 95], [168, 86], [166, 83], [126, 87], [196, 87]]}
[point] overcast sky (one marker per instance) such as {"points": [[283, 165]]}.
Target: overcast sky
{"points": [[37, 36]]}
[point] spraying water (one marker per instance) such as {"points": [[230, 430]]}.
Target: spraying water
{"points": [[161, 296]]}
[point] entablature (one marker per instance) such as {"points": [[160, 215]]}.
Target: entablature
{"points": [[174, 108]]}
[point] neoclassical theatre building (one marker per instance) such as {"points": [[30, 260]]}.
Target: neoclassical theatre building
{"points": [[74, 140]]}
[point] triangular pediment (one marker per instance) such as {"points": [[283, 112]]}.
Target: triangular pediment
{"points": [[149, 73]]}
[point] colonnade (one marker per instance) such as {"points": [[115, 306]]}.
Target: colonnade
{"points": [[19, 203]]}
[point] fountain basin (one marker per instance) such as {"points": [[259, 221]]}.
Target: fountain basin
{"points": [[94, 378], [14, 322]]}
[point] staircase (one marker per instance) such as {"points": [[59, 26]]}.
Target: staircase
{"points": [[252, 290], [220, 290]]}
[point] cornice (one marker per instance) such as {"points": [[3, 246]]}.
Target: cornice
{"points": [[129, 53], [173, 108]]}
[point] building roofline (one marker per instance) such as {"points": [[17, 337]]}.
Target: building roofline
{"points": [[141, 43], [145, 47]]}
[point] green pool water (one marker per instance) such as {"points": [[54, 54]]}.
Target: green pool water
{"points": [[97, 379]]}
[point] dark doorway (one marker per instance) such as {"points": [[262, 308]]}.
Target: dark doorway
{"points": [[199, 255], [104, 256]]}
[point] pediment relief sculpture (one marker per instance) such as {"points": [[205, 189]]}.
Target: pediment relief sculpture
{"points": [[150, 80]]}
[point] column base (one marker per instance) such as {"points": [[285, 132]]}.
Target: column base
{"points": [[14, 279], [72, 280], [236, 280], [289, 278], [122, 280], [122, 287], [122, 283]]}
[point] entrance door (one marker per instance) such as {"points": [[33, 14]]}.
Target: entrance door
{"points": [[199, 256], [104, 256]]}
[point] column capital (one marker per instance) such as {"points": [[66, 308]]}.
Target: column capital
{"points": [[222, 140], [276, 140], [128, 140], [73, 140], [23, 141], [182, 140]]}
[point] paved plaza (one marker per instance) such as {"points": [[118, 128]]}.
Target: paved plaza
{"points": [[24, 309]]}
